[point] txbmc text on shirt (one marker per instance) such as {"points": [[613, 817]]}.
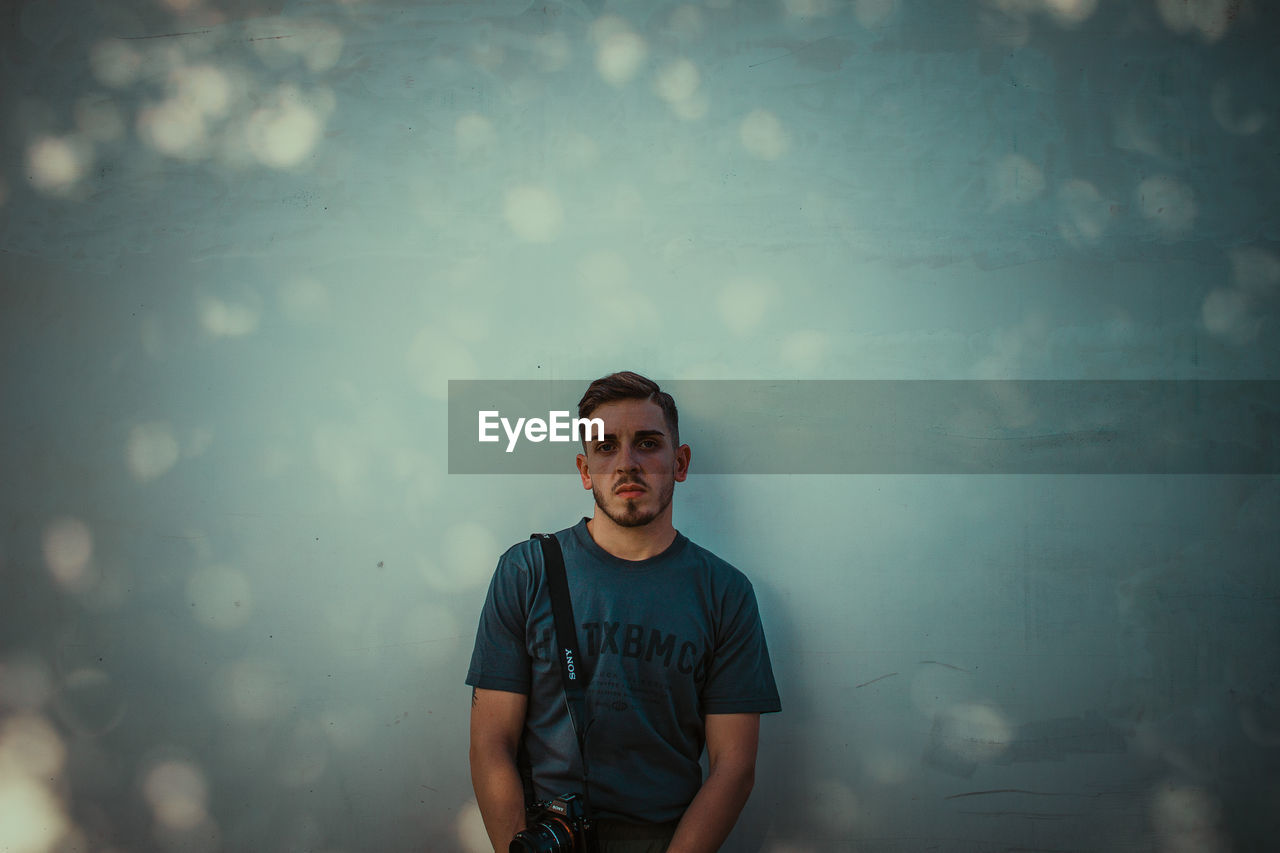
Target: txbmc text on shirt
{"points": [[632, 641]]}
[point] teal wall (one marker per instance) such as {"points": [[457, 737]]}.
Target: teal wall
{"points": [[244, 245]]}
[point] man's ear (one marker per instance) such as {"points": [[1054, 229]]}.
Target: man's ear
{"points": [[583, 472], [683, 456]]}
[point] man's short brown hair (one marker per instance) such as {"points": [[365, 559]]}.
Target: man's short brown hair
{"points": [[626, 385]]}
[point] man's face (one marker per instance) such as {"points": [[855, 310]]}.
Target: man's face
{"points": [[632, 472]]}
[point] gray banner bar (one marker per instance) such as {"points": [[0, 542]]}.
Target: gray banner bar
{"points": [[902, 426]]}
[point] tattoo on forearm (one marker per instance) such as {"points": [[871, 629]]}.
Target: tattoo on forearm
{"points": [[474, 698]]}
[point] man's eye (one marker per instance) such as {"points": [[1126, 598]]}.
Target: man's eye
{"points": [[604, 447], [649, 443]]}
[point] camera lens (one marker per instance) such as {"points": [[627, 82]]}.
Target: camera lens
{"points": [[550, 837]]}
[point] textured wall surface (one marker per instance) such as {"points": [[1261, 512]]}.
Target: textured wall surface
{"points": [[244, 244]]}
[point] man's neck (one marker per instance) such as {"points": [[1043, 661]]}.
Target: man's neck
{"points": [[632, 543]]}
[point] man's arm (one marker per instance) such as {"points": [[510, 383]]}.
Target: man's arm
{"points": [[497, 720], [731, 754]]}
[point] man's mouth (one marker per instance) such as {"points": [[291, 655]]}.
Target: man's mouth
{"points": [[629, 490]]}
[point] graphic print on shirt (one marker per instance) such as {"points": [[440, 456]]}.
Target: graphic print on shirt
{"points": [[604, 639]]}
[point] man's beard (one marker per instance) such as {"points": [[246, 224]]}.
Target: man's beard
{"points": [[633, 516]]}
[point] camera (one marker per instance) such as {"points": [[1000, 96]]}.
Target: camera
{"points": [[556, 826]]}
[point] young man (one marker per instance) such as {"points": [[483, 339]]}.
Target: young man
{"points": [[672, 648]]}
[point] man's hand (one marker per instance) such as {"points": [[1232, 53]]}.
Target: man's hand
{"points": [[497, 720], [731, 754]]}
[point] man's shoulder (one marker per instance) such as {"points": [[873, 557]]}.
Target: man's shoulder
{"points": [[717, 569], [526, 555], [520, 560]]}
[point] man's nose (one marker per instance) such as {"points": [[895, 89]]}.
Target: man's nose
{"points": [[627, 460]]}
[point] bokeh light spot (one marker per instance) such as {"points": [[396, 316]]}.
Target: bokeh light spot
{"points": [[693, 107], [677, 81], [115, 63], [971, 732], [283, 134], [223, 318], [174, 128], [488, 55], [833, 808], [534, 214], [30, 745], [763, 135], [551, 51], [320, 44], [1256, 271], [1210, 19], [804, 351], [203, 88], [1226, 313], [873, 14], [1015, 180], [177, 794], [1071, 12], [317, 43], [619, 52], [304, 300], [603, 270], [57, 163], [1222, 105], [31, 819], [474, 134], [1186, 820], [809, 8], [687, 22], [1084, 213], [744, 304], [887, 767], [252, 691], [677, 84], [68, 545], [152, 450]]}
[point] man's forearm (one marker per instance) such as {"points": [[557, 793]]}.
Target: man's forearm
{"points": [[500, 795], [714, 811]]}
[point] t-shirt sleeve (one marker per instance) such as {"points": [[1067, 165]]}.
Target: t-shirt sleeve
{"points": [[500, 660], [740, 678]]}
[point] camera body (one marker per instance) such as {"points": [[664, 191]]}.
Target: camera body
{"points": [[557, 826]]}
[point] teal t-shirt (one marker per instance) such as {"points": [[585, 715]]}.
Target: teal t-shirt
{"points": [[665, 641]]}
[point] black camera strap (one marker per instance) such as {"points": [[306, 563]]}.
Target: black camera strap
{"points": [[572, 672]]}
